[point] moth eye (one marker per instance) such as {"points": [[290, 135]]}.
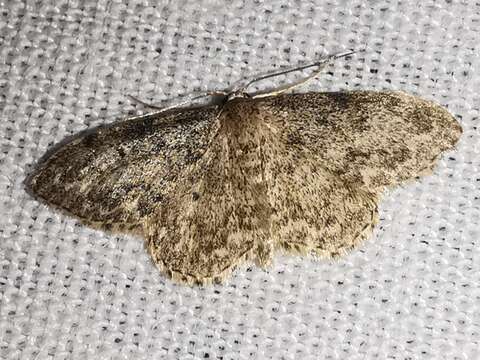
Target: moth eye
{"points": [[195, 196]]}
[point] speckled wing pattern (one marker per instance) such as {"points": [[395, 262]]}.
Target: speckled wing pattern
{"points": [[210, 188], [339, 152], [112, 176]]}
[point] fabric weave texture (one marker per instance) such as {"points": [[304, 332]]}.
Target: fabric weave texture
{"points": [[69, 292]]}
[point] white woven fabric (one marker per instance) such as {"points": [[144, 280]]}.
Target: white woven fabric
{"points": [[69, 292]]}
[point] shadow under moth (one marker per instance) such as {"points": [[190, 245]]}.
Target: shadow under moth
{"points": [[214, 186]]}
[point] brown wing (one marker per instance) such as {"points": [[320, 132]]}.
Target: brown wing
{"points": [[301, 172], [220, 215], [315, 212], [376, 139], [189, 182], [113, 176], [336, 153]]}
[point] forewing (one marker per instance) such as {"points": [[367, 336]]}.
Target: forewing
{"points": [[372, 139], [114, 176]]}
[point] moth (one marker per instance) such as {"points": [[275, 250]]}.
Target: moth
{"points": [[214, 186]]}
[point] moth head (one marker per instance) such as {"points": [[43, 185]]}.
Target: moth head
{"points": [[224, 97], [237, 94]]}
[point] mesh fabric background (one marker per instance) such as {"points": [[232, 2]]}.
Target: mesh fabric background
{"points": [[66, 291]]}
